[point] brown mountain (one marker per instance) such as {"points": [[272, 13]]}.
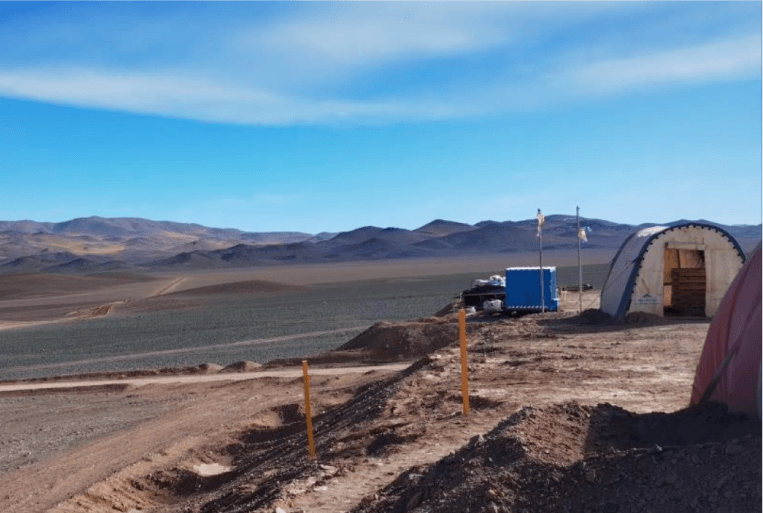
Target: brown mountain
{"points": [[93, 245]]}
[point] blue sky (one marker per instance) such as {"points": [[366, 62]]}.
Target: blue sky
{"points": [[330, 116]]}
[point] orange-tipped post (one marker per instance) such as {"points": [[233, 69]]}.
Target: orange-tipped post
{"points": [[464, 367], [308, 416]]}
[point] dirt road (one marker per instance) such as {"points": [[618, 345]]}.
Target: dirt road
{"points": [[77, 437], [291, 373], [168, 287]]}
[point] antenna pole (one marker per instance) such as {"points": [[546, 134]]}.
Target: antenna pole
{"points": [[540, 253], [580, 266]]}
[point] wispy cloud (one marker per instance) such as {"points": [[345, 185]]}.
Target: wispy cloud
{"points": [[302, 67], [367, 34], [184, 95], [733, 58]]}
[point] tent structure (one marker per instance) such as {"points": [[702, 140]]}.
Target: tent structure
{"points": [[683, 269], [730, 364]]}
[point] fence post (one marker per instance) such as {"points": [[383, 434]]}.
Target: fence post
{"points": [[308, 416], [464, 367]]}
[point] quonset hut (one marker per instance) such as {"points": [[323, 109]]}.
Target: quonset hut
{"points": [[683, 269]]}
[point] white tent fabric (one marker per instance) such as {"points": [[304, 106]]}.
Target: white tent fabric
{"points": [[636, 280]]}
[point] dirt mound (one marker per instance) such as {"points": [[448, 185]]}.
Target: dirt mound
{"points": [[589, 318], [596, 316], [102, 310], [396, 341], [242, 366], [569, 457], [239, 287], [209, 368], [643, 318]]}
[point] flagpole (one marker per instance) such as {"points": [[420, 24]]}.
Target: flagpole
{"points": [[540, 253], [580, 267]]}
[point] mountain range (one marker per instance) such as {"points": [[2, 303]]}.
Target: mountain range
{"points": [[96, 244]]}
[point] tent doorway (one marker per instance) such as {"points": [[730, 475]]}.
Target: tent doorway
{"points": [[684, 279]]}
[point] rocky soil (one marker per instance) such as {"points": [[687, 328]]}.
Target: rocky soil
{"points": [[567, 413]]}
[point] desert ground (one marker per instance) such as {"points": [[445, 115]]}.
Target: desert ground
{"points": [[30, 299], [567, 412]]}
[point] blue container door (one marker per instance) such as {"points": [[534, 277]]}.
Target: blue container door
{"points": [[549, 280], [523, 289]]}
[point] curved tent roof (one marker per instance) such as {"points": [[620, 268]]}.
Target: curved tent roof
{"points": [[729, 368], [635, 278]]}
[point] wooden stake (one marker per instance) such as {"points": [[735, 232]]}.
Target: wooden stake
{"points": [[308, 416], [464, 368]]}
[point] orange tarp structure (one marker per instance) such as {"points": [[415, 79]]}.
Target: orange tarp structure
{"points": [[732, 352]]}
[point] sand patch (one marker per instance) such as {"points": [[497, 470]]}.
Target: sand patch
{"points": [[211, 469]]}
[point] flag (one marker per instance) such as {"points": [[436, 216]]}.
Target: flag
{"points": [[582, 236], [541, 220]]}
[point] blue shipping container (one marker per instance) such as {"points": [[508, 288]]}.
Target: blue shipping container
{"points": [[523, 289]]}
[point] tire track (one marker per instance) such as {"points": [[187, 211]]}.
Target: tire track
{"points": [[118, 384], [164, 290]]}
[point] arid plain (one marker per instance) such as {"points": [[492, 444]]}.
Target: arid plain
{"points": [[570, 397]]}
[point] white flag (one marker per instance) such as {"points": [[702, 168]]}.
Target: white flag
{"points": [[541, 220], [582, 235]]}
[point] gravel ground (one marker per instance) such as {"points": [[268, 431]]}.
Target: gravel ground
{"points": [[51, 423]]}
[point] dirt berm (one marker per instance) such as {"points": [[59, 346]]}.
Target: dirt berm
{"points": [[402, 340], [388, 342], [570, 457]]}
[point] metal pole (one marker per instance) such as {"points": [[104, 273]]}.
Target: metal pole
{"points": [[540, 252], [580, 266]]}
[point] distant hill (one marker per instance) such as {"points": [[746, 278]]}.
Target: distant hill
{"points": [[490, 238], [95, 245], [133, 226], [35, 263], [441, 228], [132, 240], [191, 260], [359, 235], [376, 248]]}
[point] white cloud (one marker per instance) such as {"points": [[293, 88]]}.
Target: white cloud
{"points": [[718, 60], [186, 95], [362, 36], [133, 91], [337, 45], [302, 68]]}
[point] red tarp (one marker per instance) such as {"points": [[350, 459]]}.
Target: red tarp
{"points": [[736, 328]]}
